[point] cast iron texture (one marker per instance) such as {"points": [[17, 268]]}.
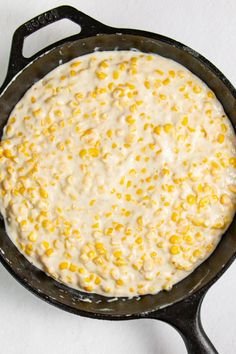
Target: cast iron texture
{"points": [[181, 306]]}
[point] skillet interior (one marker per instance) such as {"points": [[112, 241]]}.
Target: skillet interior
{"points": [[94, 305]]}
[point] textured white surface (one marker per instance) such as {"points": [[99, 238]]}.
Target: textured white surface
{"points": [[30, 326]]}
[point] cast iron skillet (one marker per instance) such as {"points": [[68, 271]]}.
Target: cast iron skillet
{"points": [[181, 306]]}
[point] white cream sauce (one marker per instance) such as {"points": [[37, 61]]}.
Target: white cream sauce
{"points": [[117, 173]]}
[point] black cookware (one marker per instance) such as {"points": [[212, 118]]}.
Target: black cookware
{"points": [[181, 306]]}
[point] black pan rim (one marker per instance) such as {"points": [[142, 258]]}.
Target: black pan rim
{"points": [[149, 35]]}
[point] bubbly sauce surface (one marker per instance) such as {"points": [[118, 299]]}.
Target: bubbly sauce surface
{"points": [[117, 173]]}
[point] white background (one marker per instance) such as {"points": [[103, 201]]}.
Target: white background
{"points": [[30, 326]]}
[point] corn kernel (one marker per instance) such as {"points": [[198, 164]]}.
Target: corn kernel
{"points": [[157, 130], [64, 265], [191, 199], [221, 138], [43, 193], [101, 75], [120, 282], [175, 239], [116, 75], [168, 127], [174, 250], [49, 252], [225, 199], [83, 153], [93, 152]]}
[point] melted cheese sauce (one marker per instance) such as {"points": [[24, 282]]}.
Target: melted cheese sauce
{"points": [[117, 173]]}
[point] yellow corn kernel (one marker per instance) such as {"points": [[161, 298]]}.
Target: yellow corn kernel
{"points": [[64, 265], [117, 254], [58, 113], [132, 172], [29, 249], [168, 127], [60, 146], [83, 153], [93, 152], [49, 252], [81, 270], [120, 262], [140, 221], [7, 153], [198, 235], [133, 108], [147, 84], [172, 73], [95, 226], [109, 231], [225, 199], [166, 82], [218, 225], [200, 188], [197, 89], [204, 202], [174, 250], [144, 170], [43, 193], [160, 72], [210, 94], [197, 253], [75, 64], [151, 146], [162, 96], [184, 121], [46, 224], [191, 199], [139, 191], [160, 244], [116, 75], [37, 112], [165, 171], [221, 138], [12, 120], [139, 240], [128, 197], [157, 130], [88, 288], [174, 108], [92, 202], [9, 129], [73, 267], [232, 188], [209, 112], [174, 217], [119, 282], [153, 254], [101, 75], [232, 161], [223, 128], [175, 239], [32, 237], [188, 239], [109, 133], [130, 120]]}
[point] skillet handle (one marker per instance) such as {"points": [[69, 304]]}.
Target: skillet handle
{"points": [[87, 24], [185, 317]]}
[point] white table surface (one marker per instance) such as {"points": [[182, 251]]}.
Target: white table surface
{"points": [[29, 325]]}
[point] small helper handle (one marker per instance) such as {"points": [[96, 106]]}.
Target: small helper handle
{"points": [[87, 24]]}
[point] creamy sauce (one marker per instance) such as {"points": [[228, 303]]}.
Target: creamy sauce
{"points": [[117, 173]]}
